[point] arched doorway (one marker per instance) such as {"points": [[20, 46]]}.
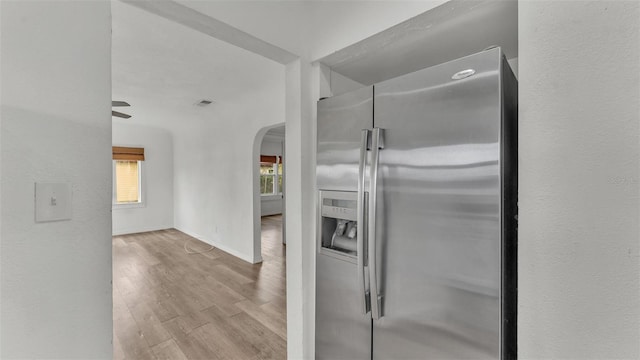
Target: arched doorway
{"points": [[268, 186]]}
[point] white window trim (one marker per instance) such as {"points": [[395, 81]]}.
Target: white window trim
{"points": [[141, 189]]}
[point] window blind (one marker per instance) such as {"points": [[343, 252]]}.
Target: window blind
{"points": [[128, 153], [127, 190], [269, 159]]}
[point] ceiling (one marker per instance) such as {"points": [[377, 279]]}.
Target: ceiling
{"points": [[311, 28], [163, 68], [452, 30]]}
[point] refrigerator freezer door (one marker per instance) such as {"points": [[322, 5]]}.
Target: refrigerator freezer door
{"points": [[341, 120], [438, 212], [342, 330]]}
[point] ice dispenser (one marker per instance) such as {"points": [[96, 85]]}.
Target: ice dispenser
{"points": [[338, 226]]}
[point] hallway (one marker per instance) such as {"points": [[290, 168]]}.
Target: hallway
{"points": [[168, 304]]}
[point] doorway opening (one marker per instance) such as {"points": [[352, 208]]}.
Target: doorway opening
{"points": [[269, 193]]}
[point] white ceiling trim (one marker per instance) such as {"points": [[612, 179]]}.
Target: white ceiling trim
{"points": [[215, 28]]}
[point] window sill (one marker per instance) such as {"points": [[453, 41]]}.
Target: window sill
{"points": [[127, 206], [270, 196]]}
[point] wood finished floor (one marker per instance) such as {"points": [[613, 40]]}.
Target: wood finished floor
{"points": [[171, 305]]}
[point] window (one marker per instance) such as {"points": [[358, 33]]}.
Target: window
{"points": [[127, 181], [127, 176], [270, 175]]}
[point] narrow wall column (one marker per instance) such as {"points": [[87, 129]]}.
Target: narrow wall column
{"points": [[579, 170], [56, 127]]}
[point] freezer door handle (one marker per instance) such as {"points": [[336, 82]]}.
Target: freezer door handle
{"points": [[377, 143], [360, 230]]}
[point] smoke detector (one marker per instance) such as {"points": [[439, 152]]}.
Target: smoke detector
{"points": [[204, 102]]}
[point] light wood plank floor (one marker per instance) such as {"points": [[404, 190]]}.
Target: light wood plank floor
{"points": [[171, 305]]}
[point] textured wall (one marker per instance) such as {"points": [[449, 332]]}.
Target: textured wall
{"points": [[56, 126], [214, 162], [579, 71]]}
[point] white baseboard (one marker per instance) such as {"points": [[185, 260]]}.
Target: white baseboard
{"points": [[139, 230], [238, 254]]}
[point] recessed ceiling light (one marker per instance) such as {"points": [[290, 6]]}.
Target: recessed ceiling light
{"points": [[204, 102]]}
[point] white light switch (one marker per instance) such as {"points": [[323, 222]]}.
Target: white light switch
{"points": [[53, 202]]}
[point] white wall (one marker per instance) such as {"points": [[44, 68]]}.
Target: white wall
{"points": [[214, 167], [56, 126], [333, 83], [271, 204], [157, 177], [271, 145], [579, 70]]}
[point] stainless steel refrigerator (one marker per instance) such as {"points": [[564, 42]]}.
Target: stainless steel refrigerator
{"points": [[417, 215]]}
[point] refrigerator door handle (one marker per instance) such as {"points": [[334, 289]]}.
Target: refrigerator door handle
{"points": [[361, 203], [377, 143]]}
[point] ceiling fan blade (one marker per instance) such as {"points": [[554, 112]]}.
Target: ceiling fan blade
{"points": [[119, 114], [119, 103]]}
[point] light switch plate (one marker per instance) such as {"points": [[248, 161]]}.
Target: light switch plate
{"points": [[53, 202]]}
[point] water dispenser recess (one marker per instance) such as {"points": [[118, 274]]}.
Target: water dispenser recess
{"points": [[338, 226]]}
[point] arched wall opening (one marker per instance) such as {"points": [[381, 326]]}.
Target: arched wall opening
{"points": [[257, 197]]}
